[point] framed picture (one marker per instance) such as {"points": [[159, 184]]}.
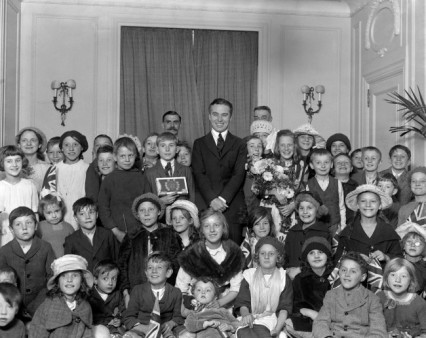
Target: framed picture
{"points": [[171, 185]]}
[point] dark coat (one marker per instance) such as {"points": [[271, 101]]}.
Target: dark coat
{"points": [[221, 175], [309, 290], [105, 246], [151, 174], [54, 319], [142, 301], [104, 310], [134, 251], [296, 237], [118, 191], [197, 262], [93, 182], [33, 268], [384, 238]]}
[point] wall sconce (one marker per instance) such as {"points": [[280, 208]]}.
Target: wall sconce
{"points": [[308, 95], [64, 89]]}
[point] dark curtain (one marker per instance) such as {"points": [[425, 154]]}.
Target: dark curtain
{"points": [[157, 75], [226, 66], [184, 70]]}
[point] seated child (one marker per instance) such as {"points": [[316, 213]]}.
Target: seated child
{"points": [[389, 185], [10, 300], [414, 211], [155, 295], [265, 298], [184, 153], [8, 275], [149, 148], [404, 310], [54, 153], [206, 320], [65, 312], [342, 171], [106, 301], [356, 160], [152, 236], [183, 216], [371, 157], [310, 286], [400, 157], [350, 310], [214, 255], [92, 242], [414, 245], [310, 209], [167, 166], [259, 225], [329, 189], [29, 255], [53, 229]]}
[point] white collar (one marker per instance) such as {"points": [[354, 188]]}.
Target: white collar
{"points": [[216, 134]]}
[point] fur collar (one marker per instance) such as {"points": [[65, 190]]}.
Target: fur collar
{"points": [[197, 262]]}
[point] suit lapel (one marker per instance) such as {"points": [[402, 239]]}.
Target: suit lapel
{"points": [[211, 145], [98, 239], [229, 143]]}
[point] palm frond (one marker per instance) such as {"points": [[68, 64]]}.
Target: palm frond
{"points": [[413, 109]]}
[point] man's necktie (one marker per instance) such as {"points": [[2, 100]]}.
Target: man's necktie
{"points": [[168, 169], [220, 143]]}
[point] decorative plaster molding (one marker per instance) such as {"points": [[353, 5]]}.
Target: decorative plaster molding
{"points": [[376, 7]]}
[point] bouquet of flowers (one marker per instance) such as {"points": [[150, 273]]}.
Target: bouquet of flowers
{"points": [[275, 183]]}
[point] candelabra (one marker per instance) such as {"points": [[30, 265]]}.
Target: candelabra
{"points": [[308, 97], [63, 89]]}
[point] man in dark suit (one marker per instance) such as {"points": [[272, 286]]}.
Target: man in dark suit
{"points": [[218, 161]]}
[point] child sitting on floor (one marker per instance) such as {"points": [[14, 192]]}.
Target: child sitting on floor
{"points": [[265, 298], [404, 310], [155, 295], [207, 321], [106, 301], [350, 310]]}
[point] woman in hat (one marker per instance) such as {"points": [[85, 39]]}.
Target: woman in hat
{"points": [[33, 143], [69, 176], [65, 312], [369, 234], [183, 216]]}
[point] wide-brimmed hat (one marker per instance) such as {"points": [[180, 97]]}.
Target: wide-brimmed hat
{"points": [[407, 227], [186, 205], [307, 129], [69, 263], [79, 137], [261, 126], [351, 198], [43, 143], [150, 197]]}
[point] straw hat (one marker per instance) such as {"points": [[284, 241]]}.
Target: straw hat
{"points": [[307, 129], [43, 144], [150, 197], [351, 198], [69, 263], [186, 205]]}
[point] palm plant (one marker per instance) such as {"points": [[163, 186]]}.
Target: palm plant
{"points": [[413, 109]]}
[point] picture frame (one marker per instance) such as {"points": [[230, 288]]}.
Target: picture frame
{"points": [[171, 185]]}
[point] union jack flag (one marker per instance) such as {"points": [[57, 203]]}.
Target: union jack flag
{"points": [[375, 275], [49, 182]]}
